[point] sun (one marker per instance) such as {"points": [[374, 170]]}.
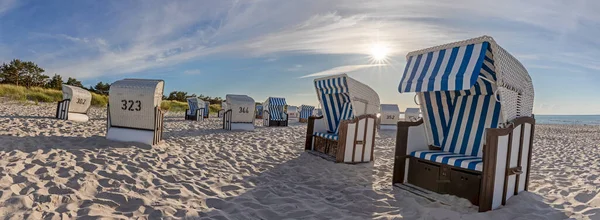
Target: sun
{"points": [[379, 52]]}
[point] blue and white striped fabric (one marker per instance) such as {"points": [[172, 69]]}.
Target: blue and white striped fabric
{"points": [[306, 111], [276, 108], [259, 110], [345, 114], [333, 94], [444, 70], [457, 96], [193, 105], [326, 135], [457, 160]]}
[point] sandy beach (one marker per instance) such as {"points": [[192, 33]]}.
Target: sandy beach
{"points": [[52, 169]]}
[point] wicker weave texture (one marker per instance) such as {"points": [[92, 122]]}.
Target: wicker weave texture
{"points": [[242, 107], [81, 99], [360, 93], [133, 101]]}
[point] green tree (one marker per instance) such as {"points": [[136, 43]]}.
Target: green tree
{"points": [[101, 88], [74, 82], [177, 96], [55, 83]]}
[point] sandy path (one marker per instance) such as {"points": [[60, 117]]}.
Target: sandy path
{"points": [[52, 169]]}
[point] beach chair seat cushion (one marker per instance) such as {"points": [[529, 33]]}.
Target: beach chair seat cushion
{"points": [[330, 136], [452, 159]]}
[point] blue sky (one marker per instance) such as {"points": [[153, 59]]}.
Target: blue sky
{"points": [[264, 47]]}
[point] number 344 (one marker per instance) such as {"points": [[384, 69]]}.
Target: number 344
{"points": [[131, 105]]}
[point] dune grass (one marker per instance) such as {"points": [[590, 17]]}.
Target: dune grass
{"points": [[35, 94]]}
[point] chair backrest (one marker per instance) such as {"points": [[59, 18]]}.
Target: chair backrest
{"points": [[345, 114]]}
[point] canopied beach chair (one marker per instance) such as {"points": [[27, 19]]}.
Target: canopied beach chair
{"points": [[293, 113], [305, 112], [223, 108], [134, 112], [75, 104], [274, 112], [346, 131], [239, 114], [259, 110], [388, 118], [475, 138], [412, 114], [198, 109]]}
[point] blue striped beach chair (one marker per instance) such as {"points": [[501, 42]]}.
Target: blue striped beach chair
{"points": [[274, 112], [239, 112], [475, 137], [305, 112], [346, 131], [259, 111], [198, 109]]}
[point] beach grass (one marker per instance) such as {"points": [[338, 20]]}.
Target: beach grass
{"points": [[36, 94]]}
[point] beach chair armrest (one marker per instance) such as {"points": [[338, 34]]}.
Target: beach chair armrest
{"points": [[410, 137]]}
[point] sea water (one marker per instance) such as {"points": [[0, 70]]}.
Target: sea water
{"points": [[568, 119]]}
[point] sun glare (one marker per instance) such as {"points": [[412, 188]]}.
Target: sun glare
{"points": [[379, 52]]}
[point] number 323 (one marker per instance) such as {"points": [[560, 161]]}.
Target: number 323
{"points": [[131, 107]]}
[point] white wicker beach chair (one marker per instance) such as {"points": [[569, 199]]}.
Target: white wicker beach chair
{"points": [[305, 112], [223, 108], [293, 113], [389, 115], [198, 109], [274, 112], [475, 138], [134, 112], [239, 114], [75, 104], [346, 131], [412, 114]]}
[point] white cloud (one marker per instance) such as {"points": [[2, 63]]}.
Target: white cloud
{"points": [[342, 69], [6, 5], [295, 68], [192, 72]]}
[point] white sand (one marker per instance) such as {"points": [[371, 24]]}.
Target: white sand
{"points": [[52, 169]]}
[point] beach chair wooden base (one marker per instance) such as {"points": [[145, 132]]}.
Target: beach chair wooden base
{"points": [[360, 150], [506, 165]]}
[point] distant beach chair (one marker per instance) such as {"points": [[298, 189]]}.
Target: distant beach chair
{"points": [[475, 138], [293, 113], [223, 109], [274, 112], [346, 131], [259, 110], [75, 104], [305, 112], [412, 114], [134, 112], [389, 115], [239, 114], [198, 109]]}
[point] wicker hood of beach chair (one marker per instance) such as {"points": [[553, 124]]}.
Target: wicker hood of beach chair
{"points": [[197, 109], [475, 135], [389, 115]]}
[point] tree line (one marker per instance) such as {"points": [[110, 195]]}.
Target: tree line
{"points": [[29, 74]]}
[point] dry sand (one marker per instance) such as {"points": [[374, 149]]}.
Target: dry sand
{"points": [[52, 169]]}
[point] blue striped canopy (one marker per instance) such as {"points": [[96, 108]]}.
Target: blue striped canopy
{"points": [[273, 101], [333, 94], [306, 111], [451, 69], [456, 91], [259, 109]]}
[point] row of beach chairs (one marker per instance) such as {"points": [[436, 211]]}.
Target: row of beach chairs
{"points": [[470, 137]]}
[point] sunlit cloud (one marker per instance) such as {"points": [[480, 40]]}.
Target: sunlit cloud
{"points": [[342, 69]]}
